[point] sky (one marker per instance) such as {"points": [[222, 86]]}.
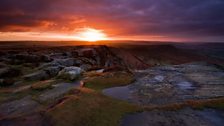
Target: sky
{"points": [[154, 20]]}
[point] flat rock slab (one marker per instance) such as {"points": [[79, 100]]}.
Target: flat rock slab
{"points": [[172, 84], [185, 117], [28, 105], [18, 107], [57, 91]]}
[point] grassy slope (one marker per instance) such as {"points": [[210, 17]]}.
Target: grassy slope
{"points": [[90, 107]]}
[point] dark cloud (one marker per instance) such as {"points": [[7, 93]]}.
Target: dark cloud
{"points": [[174, 18]]}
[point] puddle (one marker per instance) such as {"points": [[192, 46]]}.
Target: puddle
{"points": [[122, 93]]}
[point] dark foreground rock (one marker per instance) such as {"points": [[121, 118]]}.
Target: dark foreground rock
{"points": [[184, 117]]}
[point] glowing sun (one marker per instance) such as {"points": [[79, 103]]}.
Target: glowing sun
{"points": [[90, 34]]}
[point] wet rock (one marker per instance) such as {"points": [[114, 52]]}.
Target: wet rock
{"points": [[39, 75], [70, 73]]}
